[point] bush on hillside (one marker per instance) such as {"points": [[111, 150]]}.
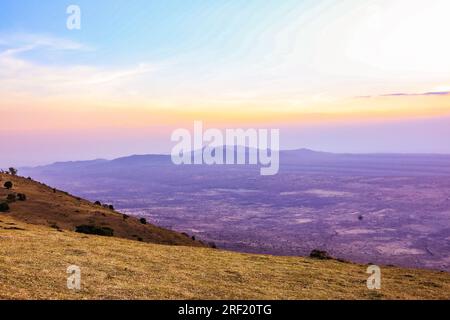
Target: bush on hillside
{"points": [[143, 220], [21, 197], [11, 197], [8, 185], [320, 254], [4, 207], [212, 245], [12, 171], [90, 229]]}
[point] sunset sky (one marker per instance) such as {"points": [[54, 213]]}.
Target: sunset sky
{"points": [[340, 76]]}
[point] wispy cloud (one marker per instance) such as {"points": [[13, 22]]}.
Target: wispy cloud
{"points": [[34, 41], [440, 93], [19, 74], [401, 94]]}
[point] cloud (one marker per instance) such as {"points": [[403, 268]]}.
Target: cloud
{"points": [[20, 75], [400, 94], [44, 41], [441, 93]]}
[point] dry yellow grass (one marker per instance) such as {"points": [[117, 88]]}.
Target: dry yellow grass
{"points": [[34, 260], [46, 206]]}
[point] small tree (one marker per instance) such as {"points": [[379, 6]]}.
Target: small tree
{"points": [[8, 185], [12, 171], [111, 207], [143, 220]]}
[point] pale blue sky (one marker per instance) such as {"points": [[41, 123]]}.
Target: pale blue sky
{"points": [[138, 69]]}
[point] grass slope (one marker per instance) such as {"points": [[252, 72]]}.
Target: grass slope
{"points": [[34, 259], [60, 210]]}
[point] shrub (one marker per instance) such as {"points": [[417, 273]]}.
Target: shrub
{"points": [[21, 197], [100, 231], [12, 171], [54, 225], [4, 207], [11, 197], [143, 220], [193, 238], [111, 207], [320, 254], [98, 203], [125, 216], [212, 245], [8, 185]]}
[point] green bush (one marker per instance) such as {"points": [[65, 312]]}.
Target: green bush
{"points": [[212, 245], [11, 197], [100, 231], [21, 197], [4, 207], [320, 254]]}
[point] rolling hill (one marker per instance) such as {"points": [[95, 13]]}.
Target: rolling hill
{"points": [[58, 209], [35, 254]]}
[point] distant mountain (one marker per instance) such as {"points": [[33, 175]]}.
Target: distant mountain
{"points": [[300, 160]]}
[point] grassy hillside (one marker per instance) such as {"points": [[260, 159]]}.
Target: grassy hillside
{"points": [[34, 259], [47, 206], [34, 256]]}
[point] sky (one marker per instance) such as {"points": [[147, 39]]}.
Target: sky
{"points": [[340, 76]]}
